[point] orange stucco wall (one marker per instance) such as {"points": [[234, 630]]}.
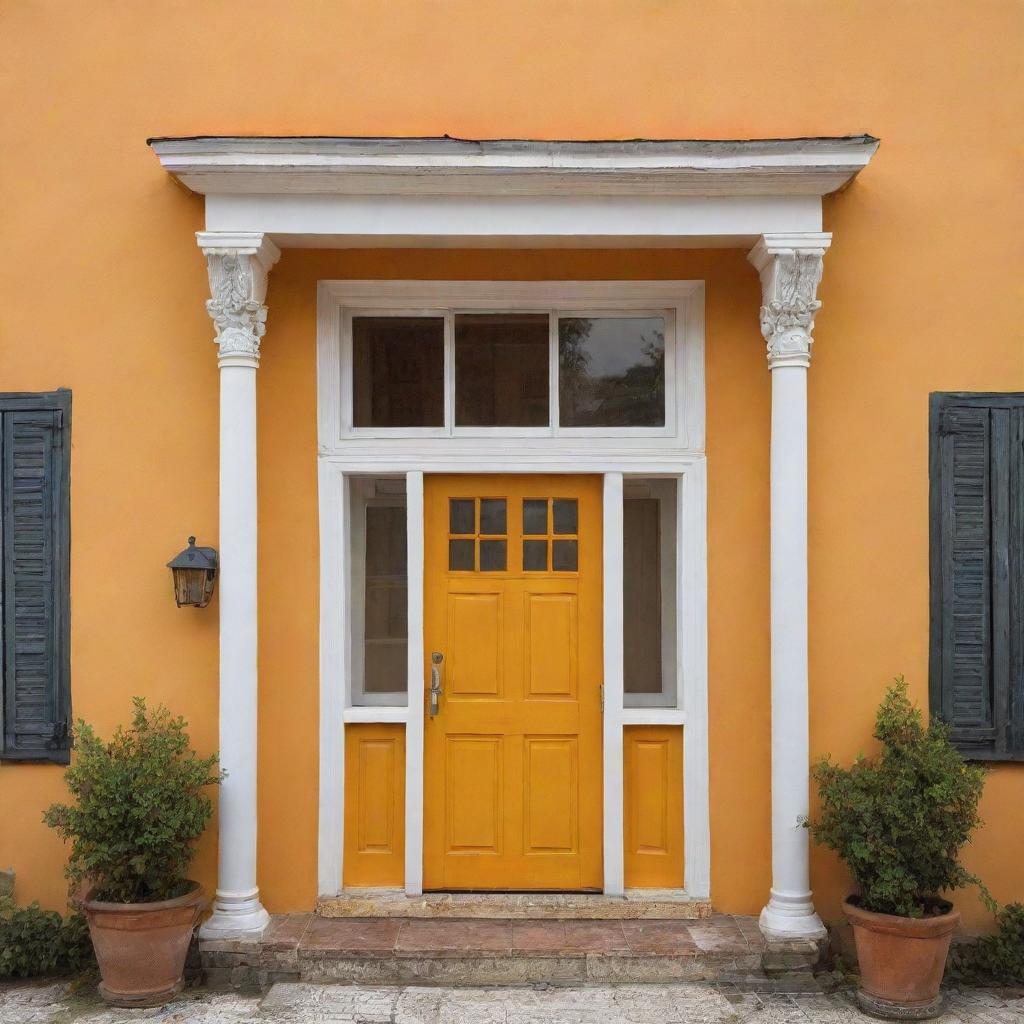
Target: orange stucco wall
{"points": [[102, 291]]}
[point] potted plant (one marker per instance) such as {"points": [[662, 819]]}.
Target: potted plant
{"points": [[899, 822], [138, 807]]}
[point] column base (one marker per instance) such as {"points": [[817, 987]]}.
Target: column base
{"points": [[235, 916], [791, 916]]}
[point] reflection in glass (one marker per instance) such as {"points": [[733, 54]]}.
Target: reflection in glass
{"points": [[611, 371], [492, 556], [535, 555], [501, 370], [460, 555], [535, 515], [461, 515], [563, 556], [492, 515], [564, 514], [397, 371]]}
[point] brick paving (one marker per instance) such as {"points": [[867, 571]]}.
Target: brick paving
{"points": [[761, 1003]]}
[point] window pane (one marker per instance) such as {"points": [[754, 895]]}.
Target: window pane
{"points": [[535, 515], [460, 555], [563, 556], [564, 513], [535, 555], [641, 577], [611, 371], [492, 556], [492, 515], [385, 627], [501, 370], [461, 513], [398, 371]]}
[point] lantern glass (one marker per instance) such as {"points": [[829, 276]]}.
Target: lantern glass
{"points": [[193, 587]]}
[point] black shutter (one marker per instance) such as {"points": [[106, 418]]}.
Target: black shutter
{"points": [[34, 538], [977, 458]]}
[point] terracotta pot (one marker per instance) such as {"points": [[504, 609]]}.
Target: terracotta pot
{"points": [[901, 960], [141, 947]]}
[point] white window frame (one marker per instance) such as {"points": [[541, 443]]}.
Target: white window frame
{"points": [[679, 302], [361, 499], [671, 569], [613, 455]]}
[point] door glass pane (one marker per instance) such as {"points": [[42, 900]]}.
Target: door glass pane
{"points": [[611, 371], [535, 515], [501, 370], [563, 556], [564, 514], [397, 371], [492, 556], [461, 512], [460, 555], [492, 515], [385, 627], [535, 555]]}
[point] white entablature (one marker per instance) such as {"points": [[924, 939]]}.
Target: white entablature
{"points": [[444, 192]]}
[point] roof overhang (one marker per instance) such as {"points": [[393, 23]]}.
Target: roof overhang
{"points": [[308, 191], [239, 165]]}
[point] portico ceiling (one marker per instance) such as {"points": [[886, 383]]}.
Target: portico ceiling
{"points": [[337, 191]]}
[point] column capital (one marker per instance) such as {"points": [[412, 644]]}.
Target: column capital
{"points": [[238, 263], [790, 269]]}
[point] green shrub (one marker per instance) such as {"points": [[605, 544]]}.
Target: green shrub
{"points": [[138, 808], [900, 820], [998, 957], [34, 941]]}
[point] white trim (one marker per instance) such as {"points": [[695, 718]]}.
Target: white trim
{"points": [[610, 456], [681, 302], [513, 222], [414, 728], [362, 495], [435, 167], [334, 633], [375, 714], [614, 867], [653, 716]]}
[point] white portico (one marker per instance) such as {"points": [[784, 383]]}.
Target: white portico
{"points": [[265, 194]]}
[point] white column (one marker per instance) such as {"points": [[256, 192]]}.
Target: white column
{"points": [[237, 265], [790, 269]]}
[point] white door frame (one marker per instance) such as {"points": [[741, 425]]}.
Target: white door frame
{"points": [[343, 453]]}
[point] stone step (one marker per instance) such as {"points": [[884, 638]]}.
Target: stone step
{"points": [[452, 951], [636, 904]]}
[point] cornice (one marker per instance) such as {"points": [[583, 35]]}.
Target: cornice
{"points": [[248, 165]]}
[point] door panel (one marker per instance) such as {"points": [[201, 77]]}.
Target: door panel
{"points": [[513, 603]]}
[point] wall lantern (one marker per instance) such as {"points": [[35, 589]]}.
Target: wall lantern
{"points": [[194, 572]]}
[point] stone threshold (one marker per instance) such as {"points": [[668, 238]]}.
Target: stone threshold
{"points": [[636, 904], [452, 951]]}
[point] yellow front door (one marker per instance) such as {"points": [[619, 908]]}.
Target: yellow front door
{"points": [[513, 638]]}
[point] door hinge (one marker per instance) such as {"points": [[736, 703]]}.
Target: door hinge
{"points": [[602, 698]]}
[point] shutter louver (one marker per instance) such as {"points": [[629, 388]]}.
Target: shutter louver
{"points": [[977, 537], [34, 588]]}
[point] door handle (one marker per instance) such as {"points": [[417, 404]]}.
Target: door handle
{"points": [[436, 660]]}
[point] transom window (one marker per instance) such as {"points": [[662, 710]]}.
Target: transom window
{"points": [[450, 371]]}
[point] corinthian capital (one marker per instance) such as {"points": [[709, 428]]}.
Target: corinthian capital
{"points": [[238, 263], [790, 269]]}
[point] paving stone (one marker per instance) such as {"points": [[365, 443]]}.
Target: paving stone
{"points": [[302, 1003]]}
